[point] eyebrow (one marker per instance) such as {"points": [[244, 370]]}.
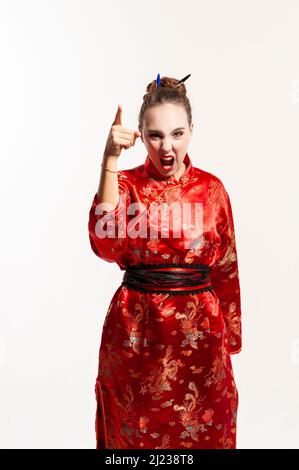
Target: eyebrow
{"points": [[159, 132]]}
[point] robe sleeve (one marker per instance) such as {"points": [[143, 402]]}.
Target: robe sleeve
{"points": [[225, 274], [108, 228]]}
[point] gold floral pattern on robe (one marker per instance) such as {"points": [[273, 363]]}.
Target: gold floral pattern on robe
{"points": [[165, 377]]}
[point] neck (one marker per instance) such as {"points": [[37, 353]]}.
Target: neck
{"points": [[182, 169]]}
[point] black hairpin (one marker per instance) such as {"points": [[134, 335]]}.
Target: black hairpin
{"points": [[183, 79]]}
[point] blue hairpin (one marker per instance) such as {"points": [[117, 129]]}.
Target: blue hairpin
{"points": [[158, 80]]}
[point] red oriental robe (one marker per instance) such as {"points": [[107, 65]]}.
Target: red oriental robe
{"points": [[165, 378]]}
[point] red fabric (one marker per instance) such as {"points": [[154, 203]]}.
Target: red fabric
{"points": [[165, 378]]}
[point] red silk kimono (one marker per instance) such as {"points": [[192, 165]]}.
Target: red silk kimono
{"points": [[165, 378]]}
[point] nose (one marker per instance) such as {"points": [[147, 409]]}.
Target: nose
{"points": [[165, 148]]}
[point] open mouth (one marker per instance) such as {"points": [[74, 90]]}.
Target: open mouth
{"points": [[167, 162]]}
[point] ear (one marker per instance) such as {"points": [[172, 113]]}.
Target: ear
{"points": [[140, 130]]}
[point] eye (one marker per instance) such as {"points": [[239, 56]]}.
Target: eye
{"points": [[176, 133], [154, 135]]}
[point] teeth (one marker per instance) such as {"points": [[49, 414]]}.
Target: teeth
{"points": [[168, 159]]}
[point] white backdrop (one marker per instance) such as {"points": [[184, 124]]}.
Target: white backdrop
{"points": [[65, 65]]}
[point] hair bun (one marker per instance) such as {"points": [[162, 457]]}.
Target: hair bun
{"points": [[165, 90], [168, 82]]}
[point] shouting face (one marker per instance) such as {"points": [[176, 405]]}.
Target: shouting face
{"points": [[166, 135]]}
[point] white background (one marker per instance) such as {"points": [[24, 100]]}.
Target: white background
{"points": [[65, 65]]}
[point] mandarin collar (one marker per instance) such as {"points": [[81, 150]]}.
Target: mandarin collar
{"points": [[155, 173]]}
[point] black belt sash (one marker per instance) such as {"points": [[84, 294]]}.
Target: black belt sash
{"points": [[175, 279]]}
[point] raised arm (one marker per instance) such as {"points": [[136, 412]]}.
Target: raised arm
{"points": [[107, 216]]}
